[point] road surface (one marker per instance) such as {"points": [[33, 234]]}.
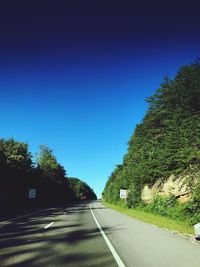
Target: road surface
{"points": [[90, 234]]}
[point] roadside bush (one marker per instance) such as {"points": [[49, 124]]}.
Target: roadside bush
{"points": [[195, 218], [122, 203], [134, 197], [192, 208], [161, 204], [166, 206], [177, 212]]}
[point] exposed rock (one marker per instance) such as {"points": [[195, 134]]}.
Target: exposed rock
{"points": [[147, 194], [184, 198], [179, 187]]}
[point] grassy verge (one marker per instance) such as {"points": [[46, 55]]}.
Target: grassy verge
{"points": [[163, 222]]}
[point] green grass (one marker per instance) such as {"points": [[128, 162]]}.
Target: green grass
{"points": [[163, 222]]}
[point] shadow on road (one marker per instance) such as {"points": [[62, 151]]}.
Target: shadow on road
{"points": [[73, 240]]}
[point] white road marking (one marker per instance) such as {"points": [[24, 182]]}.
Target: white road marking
{"points": [[113, 251], [47, 226]]}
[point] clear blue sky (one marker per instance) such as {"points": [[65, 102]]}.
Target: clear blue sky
{"points": [[74, 76]]}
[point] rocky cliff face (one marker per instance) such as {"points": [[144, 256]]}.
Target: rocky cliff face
{"points": [[180, 187]]}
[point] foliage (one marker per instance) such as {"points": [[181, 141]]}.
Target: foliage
{"points": [[166, 142], [80, 190], [166, 206], [134, 196], [14, 155], [49, 166], [18, 174], [192, 208]]}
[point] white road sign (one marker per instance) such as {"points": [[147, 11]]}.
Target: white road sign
{"points": [[32, 193], [123, 193]]}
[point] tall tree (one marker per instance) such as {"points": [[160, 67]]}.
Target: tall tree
{"points": [[49, 165], [15, 154], [80, 190], [167, 141]]}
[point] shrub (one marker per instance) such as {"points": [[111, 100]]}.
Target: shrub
{"points": [[134, 197]]}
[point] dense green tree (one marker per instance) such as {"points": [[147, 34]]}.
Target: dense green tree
{"points": [[80, 190], [49, 165], [15, 155], [15, 168], [18, 175], [167, 141]]}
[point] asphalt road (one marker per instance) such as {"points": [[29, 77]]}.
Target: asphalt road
{"points": [[89, 234]]}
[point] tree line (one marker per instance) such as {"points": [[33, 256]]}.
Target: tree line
{"points": [[166, 142], [46, 178]]}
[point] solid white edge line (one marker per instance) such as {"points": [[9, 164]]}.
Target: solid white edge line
{"points": [[47, 226], [113, 251]]}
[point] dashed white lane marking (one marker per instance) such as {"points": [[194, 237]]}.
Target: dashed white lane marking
{"points": [[113, 251], [47, 226]]}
